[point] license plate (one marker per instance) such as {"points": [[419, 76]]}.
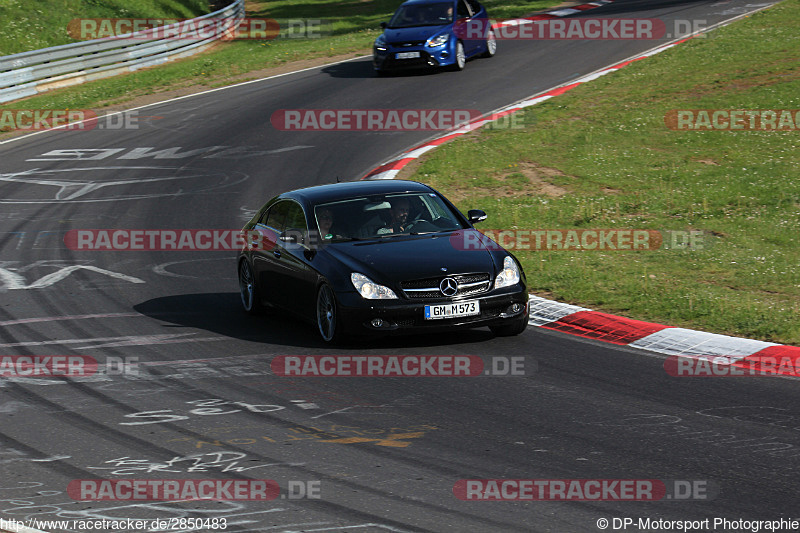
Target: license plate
{"points": [[454, 310], [406, 55]]}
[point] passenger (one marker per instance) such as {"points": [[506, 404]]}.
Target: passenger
{"points": [[325, 221]]}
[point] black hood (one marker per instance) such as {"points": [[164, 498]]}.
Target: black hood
{"points": [[390, 260]]}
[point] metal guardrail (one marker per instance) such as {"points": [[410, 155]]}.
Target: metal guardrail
{"points": [[37, 71]]}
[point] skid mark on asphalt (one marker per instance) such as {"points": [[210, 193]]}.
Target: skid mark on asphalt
{"points": [[394, 441], [391, 437]]}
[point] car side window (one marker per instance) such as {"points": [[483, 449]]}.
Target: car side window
{"points": [[276, 216], [263, 218], [463, 10], [295, 218], [475, 6]]}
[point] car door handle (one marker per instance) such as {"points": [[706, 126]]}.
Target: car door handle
{"points": [[276, 253]]}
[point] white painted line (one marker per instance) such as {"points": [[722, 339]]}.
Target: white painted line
{"points": [[66, 317], [542, 311], [387, 175], [14, 281], [563, 12], [73, 124], [418, 152], [678, 341], [127, 340]]}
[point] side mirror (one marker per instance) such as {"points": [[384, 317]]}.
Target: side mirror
{"points": [[476, 215], [384, 25]]}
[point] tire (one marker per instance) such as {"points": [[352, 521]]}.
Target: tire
{"points": [[461, 57], [491, 45], [509, 330], [327, 316], [248, 290]]}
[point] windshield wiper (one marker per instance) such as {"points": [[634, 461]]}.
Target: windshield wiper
{"points": [[434, 231]]}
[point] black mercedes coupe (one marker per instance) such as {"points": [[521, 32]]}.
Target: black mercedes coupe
{"points": [[379, 257]]}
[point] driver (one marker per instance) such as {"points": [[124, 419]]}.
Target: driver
{"points": [[399, 212]]}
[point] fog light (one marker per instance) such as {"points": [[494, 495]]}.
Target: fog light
{"points": [[377, 322], [513, 309]]}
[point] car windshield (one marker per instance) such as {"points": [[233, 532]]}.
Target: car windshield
{"points": [[422, 15], [370, 217]]}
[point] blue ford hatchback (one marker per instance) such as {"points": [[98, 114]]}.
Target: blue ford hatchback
{"points": [[434, 33]]}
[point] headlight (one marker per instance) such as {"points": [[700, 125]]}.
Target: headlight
{"points": [[439, 40], [509, 275], [369, 289], [380, 42]]}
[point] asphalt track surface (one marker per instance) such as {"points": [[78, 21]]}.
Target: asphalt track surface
{"points": [[384, 452]]}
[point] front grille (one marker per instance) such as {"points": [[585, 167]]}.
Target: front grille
{"points": [[425, 60], [468, 284], [491, 312], [407, 44]]}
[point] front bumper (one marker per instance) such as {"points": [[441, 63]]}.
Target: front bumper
{"points": [[385, 60], [406, 316]]}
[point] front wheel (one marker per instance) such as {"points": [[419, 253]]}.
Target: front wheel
{"points": [[491, 45], [327, 317], [461, 57], [509, 330]]}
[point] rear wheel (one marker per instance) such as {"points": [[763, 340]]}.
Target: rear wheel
{"points": [[251, 299], [327, 317]]}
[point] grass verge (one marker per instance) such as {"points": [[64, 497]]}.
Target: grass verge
{"points": [[354, 26], [32, 24], [601, 156]]}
